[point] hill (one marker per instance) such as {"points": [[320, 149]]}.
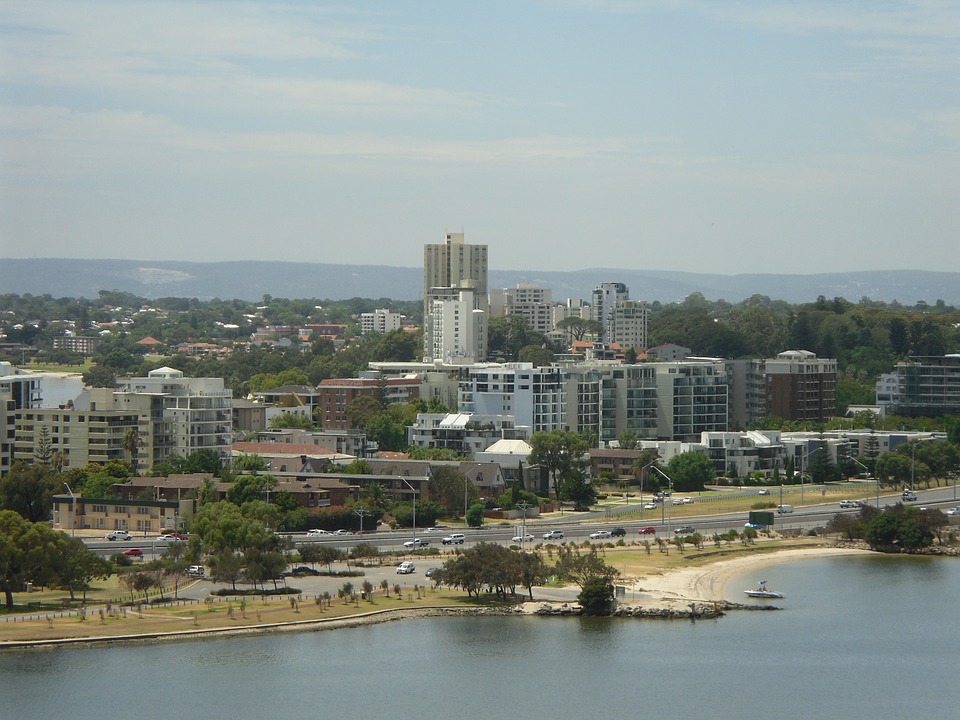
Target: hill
{"points": [[251, 280]]}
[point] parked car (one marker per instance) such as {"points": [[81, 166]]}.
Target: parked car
{"points": [[454, 539], [317, 532], [647, 530], [523, 538], [618, 532], [118, 535], [133, 552], [685, 530], [405, 568], [600, 535], [416, 542], [553, 535]]}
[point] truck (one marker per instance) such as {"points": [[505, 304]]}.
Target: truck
{"points": [[784, 509]]}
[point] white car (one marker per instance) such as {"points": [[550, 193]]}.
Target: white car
{"points": [[523, 538], [317, 532], [953, 511], [688, 501], [553, 535], [118, 535], [341, 531], [600, 535], [763, 491], [849, 503], [454, 539], [405, 568], [650, 506]]}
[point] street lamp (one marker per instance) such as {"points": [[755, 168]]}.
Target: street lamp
{"points": [[73, 511], [360, 512], [662, 503], [876, 478], [414, 490]]}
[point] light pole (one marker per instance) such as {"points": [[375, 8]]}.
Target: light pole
{"points": [[662, 503], [414, 491], [360, 512], [523, 522], [877, 478], [73, 511]]}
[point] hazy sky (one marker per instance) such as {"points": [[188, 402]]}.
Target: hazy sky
{"points": [[724, 136]]}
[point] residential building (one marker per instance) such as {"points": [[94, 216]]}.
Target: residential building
{"points": [[534, 396], [669, 352], [380, 321], [800, 386], [928, 386], [336, 394], [603, 299], [627, 324], [532, 302], [463, 433], [747, 392], [19, 392], [140, 517], [198, 410], [452, 264], [691, 398], [77, 343], [458, 330], [351, 443]]}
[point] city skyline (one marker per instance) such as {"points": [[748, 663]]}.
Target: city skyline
{"points": [[740, 137]]}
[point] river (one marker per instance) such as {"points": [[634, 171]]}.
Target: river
{"points": [[866, 637]]}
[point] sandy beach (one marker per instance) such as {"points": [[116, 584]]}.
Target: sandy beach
{"points": [[709, 582]]}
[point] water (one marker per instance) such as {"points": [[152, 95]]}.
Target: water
{"points": [[863, 637]]}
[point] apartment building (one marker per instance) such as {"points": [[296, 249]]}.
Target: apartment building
{"points": [[380, 321], [336, 394], [800, 386], [927, 386], [534, 396], [452, 264], [464, 433], [457, 328]]}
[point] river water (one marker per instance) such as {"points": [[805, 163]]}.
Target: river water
{"points": [[866, 637]]}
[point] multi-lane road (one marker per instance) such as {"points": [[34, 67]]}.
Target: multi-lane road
{"points": [[576, 526]]}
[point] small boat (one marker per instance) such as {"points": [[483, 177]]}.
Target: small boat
{"points": [[763, 592]]}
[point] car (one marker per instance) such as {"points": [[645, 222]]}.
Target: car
{"points": [[118, 535], [763, 491], [754, 526], [647, 530], [196, 571], [317, 532], [688, 501], [454, 539], [909, 496], [133, 552], [618, 532], [170, 538], [685, 530], [523, 538], [431, 572], [416, 542], [677, 501], [341, 531], [650, 506], [432, 530], [600, 535], [953, 511], [849, 503], [405, 568], [553, 535]]}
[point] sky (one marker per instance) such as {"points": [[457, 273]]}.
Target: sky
{"points": [[733, 136]]}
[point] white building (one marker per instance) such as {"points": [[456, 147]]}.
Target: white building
{"points": [[532, 395], [627, 324], [603, 299], [458, 330], [380, 321], [452, 264], [464, 433]]}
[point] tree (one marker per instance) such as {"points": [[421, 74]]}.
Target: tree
{"points": [[131, 444], [28, 489], [596, 596], [449, 488], [690, 471], [474, 516], [43, 451], [77, 566], [560, 453], [29, 552], [584, 567], [580, 327], [576, 489]]}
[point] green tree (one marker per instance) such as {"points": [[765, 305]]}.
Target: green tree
{"points": [[474, 515], [596, 596], [690, 471], [77, 566], [560, 453]]}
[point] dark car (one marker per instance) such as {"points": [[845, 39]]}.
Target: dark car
{"points": [[618, 532], [685, 530], [431, 572]]}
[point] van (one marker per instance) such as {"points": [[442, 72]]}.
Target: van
{"points": [[784, 509], [909, 495], [196, 570]]}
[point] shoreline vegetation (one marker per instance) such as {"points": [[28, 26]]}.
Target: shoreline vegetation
{"points": [[694, 586]]}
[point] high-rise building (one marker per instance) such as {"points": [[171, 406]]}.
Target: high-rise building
{"points": [[801, 386], [452, 264], [602, 301], [458, 329], [627, 324]]}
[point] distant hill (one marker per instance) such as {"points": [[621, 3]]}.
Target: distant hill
{"points": [[250, 280]]}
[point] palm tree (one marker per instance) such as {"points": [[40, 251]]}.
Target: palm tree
{"points": [[131, 443]]}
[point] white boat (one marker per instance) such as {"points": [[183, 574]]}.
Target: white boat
{"points": [[763, 592]]}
